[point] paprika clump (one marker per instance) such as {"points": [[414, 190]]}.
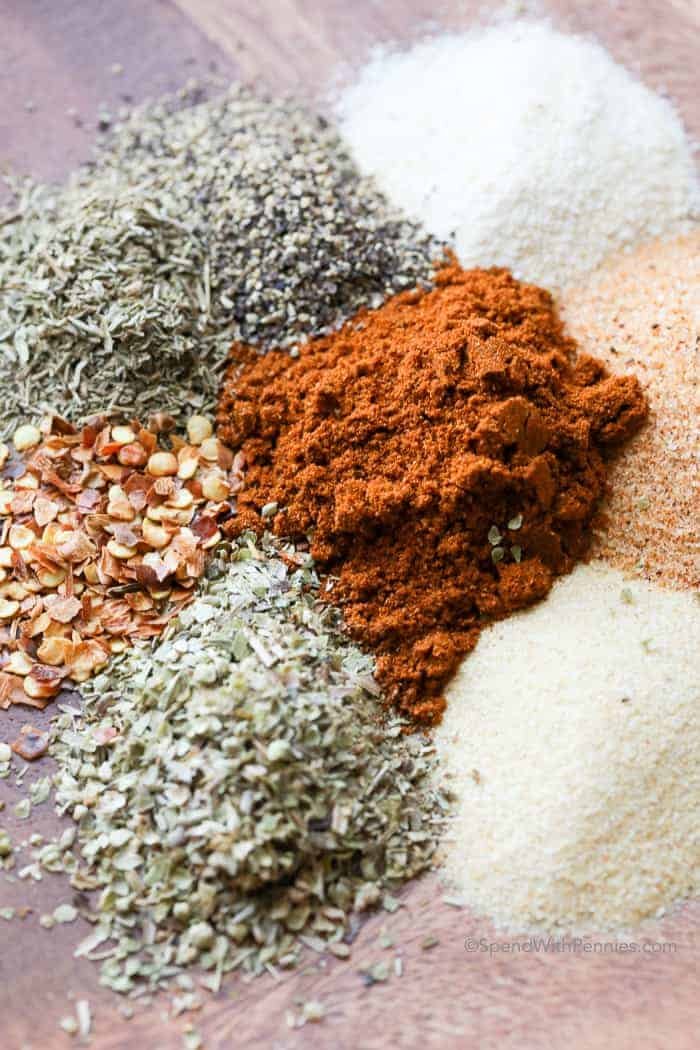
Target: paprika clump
{"points": [[444, 455]]}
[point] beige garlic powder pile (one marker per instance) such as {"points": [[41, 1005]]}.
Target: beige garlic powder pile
{"points": [[571, 738]]}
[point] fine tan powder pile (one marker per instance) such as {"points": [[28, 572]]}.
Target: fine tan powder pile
{"points": [[571, 738], [641, 313]]}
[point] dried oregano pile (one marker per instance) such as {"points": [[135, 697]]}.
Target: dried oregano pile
{"points": [[238, 217], [234, 794]]}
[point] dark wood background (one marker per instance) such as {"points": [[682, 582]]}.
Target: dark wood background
{"points": [[58, 56]]}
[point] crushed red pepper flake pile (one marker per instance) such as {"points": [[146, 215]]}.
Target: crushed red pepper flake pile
{"points": [[444, 454], [103, 535]]}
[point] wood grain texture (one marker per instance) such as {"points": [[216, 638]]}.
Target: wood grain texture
{"points": [[59, 55]]}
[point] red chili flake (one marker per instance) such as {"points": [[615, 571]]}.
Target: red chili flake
{"points": [[31, 743]]}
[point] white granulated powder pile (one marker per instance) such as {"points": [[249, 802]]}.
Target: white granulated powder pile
{"points": [[525, 147], [571, 737]]}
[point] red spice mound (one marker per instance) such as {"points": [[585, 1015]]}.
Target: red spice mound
{"points": [[443, 453]]}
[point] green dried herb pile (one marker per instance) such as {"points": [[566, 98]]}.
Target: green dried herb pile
{"points": [[235, 793]]}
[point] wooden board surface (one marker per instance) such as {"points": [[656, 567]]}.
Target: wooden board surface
{"points": [[60, 56]]}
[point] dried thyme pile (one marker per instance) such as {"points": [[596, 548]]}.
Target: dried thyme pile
{"points": [[196, 224], [235, 794]]}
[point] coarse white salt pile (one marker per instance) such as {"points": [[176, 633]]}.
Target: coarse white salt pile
{"points": [[571, 737], [524, 146]]}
